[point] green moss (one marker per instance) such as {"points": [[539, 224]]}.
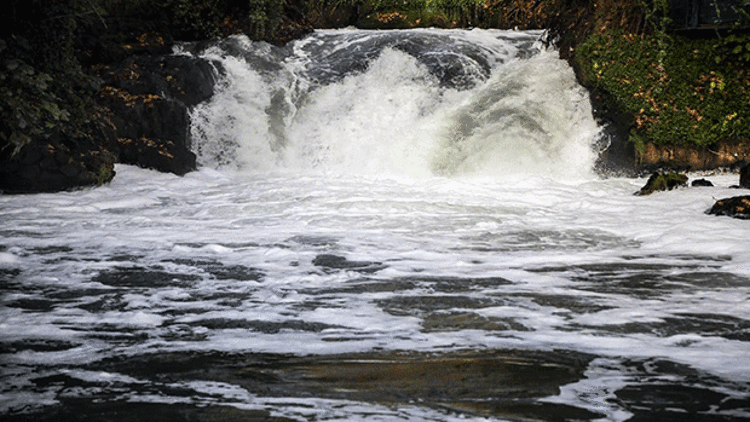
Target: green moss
{"points": [[663, 181], [679, 91], [104, 175]]}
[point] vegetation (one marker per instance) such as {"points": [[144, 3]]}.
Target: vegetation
{"points": [[678, 90], [42, 87], [686, 93]]}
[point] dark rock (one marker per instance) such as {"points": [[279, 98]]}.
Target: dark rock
{"points": [[187, 79], [152, 132], [159, 154], [745, 176], [737, 207], [145, 101], [56, 164], [150, 116], [701, 182], [335, 262], [663, 181], [617, 155], [149, 98]]}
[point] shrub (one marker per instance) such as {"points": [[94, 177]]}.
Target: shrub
{"points": [[673, 87]]}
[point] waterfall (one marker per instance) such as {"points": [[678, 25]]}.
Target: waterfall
{"points": [[415, 103]]}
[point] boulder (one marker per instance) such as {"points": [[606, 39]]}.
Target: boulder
{"points": [[745, 176], [701, 182], [160, 154], [187, 79], [663, 181], [149, 99], [737, 207], [56, 164]]}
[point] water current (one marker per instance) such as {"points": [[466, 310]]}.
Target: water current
{"points": [[396, 225]]}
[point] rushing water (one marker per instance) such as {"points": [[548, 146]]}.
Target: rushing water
{"points": [[385, 226]]}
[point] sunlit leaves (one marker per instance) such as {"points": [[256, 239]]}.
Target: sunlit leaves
{"points": [[677, 95]]}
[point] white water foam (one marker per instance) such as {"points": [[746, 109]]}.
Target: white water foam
{"points": [[419, 229], [394, 118]]}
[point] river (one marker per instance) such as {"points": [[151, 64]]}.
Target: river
{"points": [[395, 225]]}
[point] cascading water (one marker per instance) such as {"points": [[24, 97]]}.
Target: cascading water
{"points": [[414, 103], [393, 225]]}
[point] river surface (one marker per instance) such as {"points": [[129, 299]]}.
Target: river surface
{"points": [[396, 225]]}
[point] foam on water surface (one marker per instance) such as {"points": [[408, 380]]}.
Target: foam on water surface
{"points": [[236, 264]]}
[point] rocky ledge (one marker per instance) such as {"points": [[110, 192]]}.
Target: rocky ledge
{"points": [[149, 98], [144, 104]]}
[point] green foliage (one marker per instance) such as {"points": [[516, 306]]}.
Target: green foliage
{"points": [[195, 19], [104, 175], [42, 87], [465, 11], [27, 105], [382, 13], [734, 47], [657, 13], [264, 17], [677, 95]]}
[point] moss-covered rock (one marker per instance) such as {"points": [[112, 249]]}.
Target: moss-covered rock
{"points": [[663, 181]]}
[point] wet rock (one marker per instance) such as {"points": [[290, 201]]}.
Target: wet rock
{"points": [[617, 155], [146, 102], [737, 207], [745, 176], [149, 99], [693, 157], [152, 131], [186, 79], [55, 164], [334, 262], [158, 154], [503, 384], [663, 181], [701, 182]]}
